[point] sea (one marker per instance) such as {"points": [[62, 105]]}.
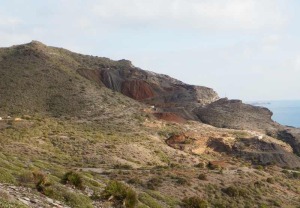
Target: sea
{"points": [[285, 112]]}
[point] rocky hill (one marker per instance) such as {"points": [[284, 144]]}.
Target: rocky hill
{"points": [[86, 131], [234, 114]]}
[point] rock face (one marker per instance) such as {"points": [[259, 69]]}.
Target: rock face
{"points": [[234, 114], [166, 93], [162, 91], [137, 89], [264, 151], [292, 137]]}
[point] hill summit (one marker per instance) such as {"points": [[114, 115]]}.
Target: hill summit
{"points": [[51, 79]]}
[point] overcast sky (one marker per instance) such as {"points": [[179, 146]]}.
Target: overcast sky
{"points": [[246, 49]]}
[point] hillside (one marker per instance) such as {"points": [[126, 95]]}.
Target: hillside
{"points": [[86, 131]]}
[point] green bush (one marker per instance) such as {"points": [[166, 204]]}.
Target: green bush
{"points": [[42, 184], [73, 178], [194, 202], [149, 201], [77, 200], [233, 191], [121, 193]]}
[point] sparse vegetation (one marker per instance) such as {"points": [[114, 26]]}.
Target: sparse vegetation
{"points": [[73, 178], [154, 183], [194, 202], [121, 193]]}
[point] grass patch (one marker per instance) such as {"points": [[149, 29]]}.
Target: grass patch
{"points": [[149, 201], [73, 178], [121, 193]]}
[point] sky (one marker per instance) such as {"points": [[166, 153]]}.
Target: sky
{"points": [[243, 49]]}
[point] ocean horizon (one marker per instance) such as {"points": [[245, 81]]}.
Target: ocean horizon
{"points": [[285, 112]]}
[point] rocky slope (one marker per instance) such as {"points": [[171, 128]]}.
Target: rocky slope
{"points": [[162, 91], [234, 114], [37, 73]]}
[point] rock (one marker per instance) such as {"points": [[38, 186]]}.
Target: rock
{"points": [[157, 90], [137, 89], [292, 137], [26, 198], [24, 201], [265, 151], [234, 114], [49, 200]]}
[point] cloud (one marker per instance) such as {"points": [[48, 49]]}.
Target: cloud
{"points": [[200, 14]]}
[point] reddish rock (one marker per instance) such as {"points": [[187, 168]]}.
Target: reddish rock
{"points": [[137, 89], [178, 141]]}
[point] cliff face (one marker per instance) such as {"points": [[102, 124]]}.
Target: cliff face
{"points": [[234, 114], [162, 91]]}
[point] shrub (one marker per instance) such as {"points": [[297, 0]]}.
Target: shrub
{"points": [[202, 176], [131, 198], [212, 166], [182, 181], [231, 191], [135, 181], [270, 180], [200, 165], [77, 200], [121, 193], [73, 178], [295, 175], [259, 167], [194, 202], [42, 184], [149, 201], [154, 183], [122, 166]]}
